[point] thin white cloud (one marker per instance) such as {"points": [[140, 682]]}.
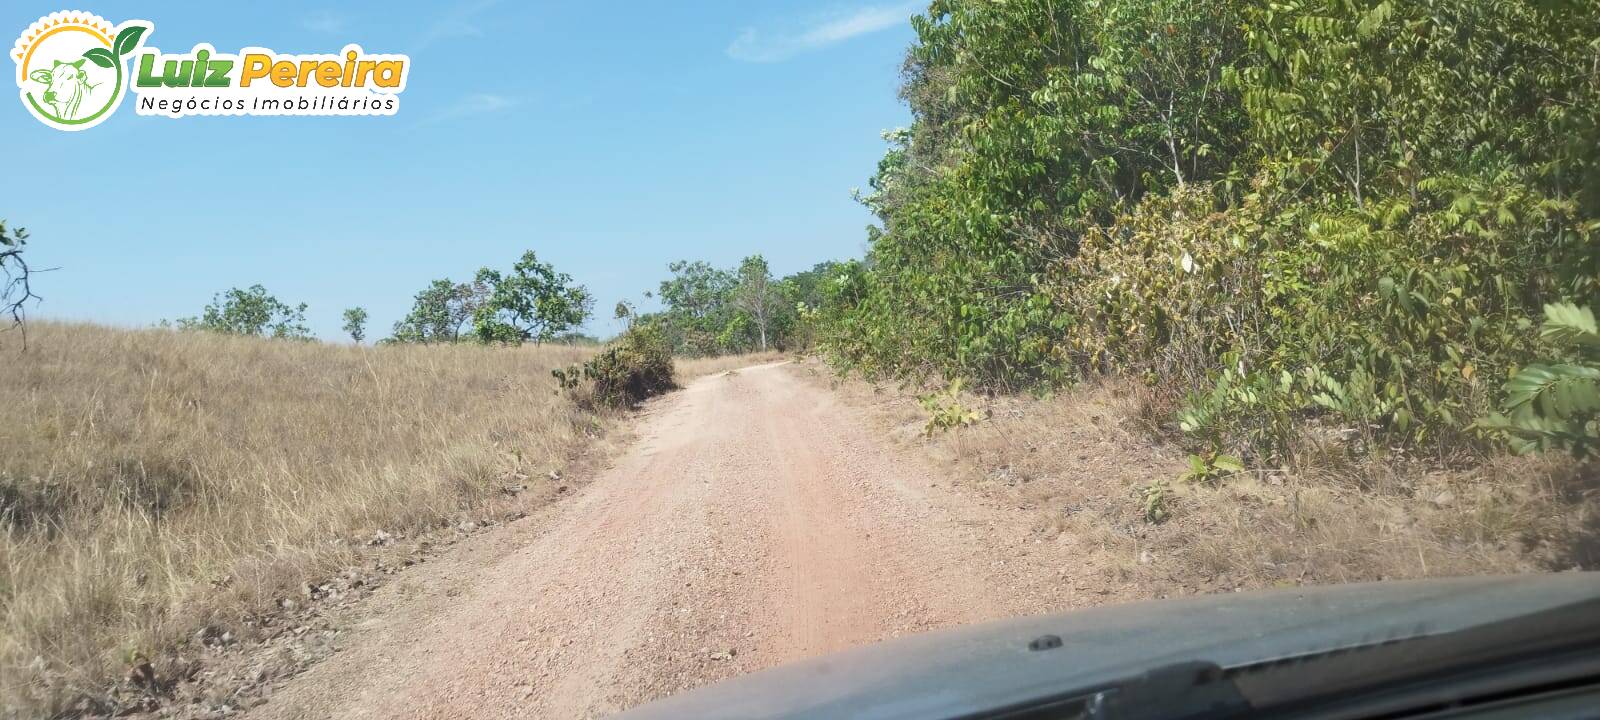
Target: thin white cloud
{"points": [[770, 45], [451, 28], [472, 105], [457, 23], [324, 21]]}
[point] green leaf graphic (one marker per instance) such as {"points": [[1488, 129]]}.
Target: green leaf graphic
{"points": [[128, 39], [101, 57]]}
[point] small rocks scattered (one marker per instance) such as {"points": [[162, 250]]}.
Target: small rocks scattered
{"points": [[214, 637]]}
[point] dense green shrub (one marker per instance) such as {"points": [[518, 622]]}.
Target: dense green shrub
{"points": [[253, 312], [636, 366], [1392, 327], [1033, 121], [1556, 404], [1310, 211]]}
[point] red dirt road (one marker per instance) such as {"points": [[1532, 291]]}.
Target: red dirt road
{"points": [[755, 521]]}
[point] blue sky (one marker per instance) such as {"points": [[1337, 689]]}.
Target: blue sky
{"points": [[611, 138]]}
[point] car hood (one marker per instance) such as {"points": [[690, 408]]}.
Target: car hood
{"points": [[979, 668]]}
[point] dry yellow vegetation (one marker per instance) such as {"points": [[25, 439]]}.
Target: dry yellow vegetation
{"points": [[153, 482], [1094, 467]]}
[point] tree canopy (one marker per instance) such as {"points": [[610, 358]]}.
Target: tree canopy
{"points": [[1313, 206], [532, 302], [440, 311], [251, 311], [708, 310], [355, 324]]}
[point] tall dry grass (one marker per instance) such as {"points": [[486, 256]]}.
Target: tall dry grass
{"points": [[152, 481]]}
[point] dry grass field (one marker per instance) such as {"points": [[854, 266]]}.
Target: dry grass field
{"points": [[1091, 463], [155, 482]]}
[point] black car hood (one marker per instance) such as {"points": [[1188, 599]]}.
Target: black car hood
{"points": [[979, 668]]}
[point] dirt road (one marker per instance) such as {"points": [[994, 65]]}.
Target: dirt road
{"points": [[755, 521]]}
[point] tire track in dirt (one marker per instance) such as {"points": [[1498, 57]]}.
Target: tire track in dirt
{"points": [[754, 522]]}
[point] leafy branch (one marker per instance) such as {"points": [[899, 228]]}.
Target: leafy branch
{"points": [[1556, 404], [16, 286]]}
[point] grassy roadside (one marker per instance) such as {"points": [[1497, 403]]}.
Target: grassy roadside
{"points": [[154, 484], [1094, 467]]}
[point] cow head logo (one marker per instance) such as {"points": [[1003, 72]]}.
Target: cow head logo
{"points": [[72, 68]]}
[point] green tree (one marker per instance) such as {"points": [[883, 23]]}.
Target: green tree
{"points": [[697, 309], [807, 286], [355, 323], [1033, 121], [755, 294], [696, 290], [440, 311], [252, 311], [532, 302], [1319, 207], [803, 297], [625, 313], [711, 311]]}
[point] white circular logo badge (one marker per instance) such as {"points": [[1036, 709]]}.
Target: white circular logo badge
{"points": [[72, 68]]}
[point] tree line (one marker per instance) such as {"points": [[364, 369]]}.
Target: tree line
{"points": [[1326, 210], [705, 310], [533, 302], [708, 310]]}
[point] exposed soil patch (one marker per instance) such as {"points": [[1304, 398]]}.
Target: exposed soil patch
{"points": [[769, 514], [756, 521]]}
